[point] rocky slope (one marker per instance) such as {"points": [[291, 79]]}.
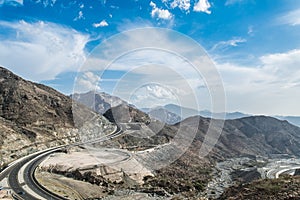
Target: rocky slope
{"points": [[34, 116], [257, 135], [124, 113], [98, 101], [246, 137], [283, 188]]}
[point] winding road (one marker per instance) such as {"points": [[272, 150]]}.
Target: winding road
{"points": [[276, 167], [27, 187]]}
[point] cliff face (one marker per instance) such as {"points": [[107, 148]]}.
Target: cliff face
{"points": [[29, 104]]}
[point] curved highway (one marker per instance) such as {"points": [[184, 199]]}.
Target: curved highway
{"points": [[275, 173], [276, 167], [30, 181], [32, 161]]}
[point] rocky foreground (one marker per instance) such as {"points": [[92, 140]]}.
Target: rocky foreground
{"points": [[287, 187]]}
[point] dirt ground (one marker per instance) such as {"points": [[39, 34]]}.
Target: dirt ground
{"points": [[68, 187]]}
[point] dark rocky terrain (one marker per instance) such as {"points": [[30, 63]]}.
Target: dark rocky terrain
{"points": [[124, 113], [287, 187], [34, 116], [250, 136], [27, 103], [247, 137]]}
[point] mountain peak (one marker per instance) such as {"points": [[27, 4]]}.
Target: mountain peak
{"points": [[5, 74]]}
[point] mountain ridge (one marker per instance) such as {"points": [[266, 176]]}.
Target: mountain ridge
{"points": [[251, 136], [34, 117], [185, 112]]}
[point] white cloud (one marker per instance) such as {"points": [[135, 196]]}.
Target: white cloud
{"points": [[152, 95], [135, 24], [160, 13], [87, 81], [181, 4], [40, 51], [229, 43], [270, 88], [292, 18], [80, 16], [103, 23], [202, 6], [164, 58], [11, 2], [284, 67], [159, 92]]}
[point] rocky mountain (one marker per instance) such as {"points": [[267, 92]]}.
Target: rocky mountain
{"points": [[125, 113], [102, 102], [292, 119], [98, 101], [165, 116], [188, 112], [27, 103], [256, 135], [246, 137], [162, 114], [181, 111], [34, 116], [228, 115], [272, 135]]}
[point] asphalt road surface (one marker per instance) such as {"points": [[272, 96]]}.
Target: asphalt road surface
{"points": [[11, 172], [30, 181]]}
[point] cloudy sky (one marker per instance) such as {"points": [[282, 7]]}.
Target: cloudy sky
{"points": [[254, 45]]}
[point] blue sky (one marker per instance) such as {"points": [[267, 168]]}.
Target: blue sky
{"points": [[254, 44]]}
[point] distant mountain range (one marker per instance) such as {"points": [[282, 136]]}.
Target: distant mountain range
{"points": [[291, 119], [163, 115], [170, 113], [242, 134], [179, 113]]}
